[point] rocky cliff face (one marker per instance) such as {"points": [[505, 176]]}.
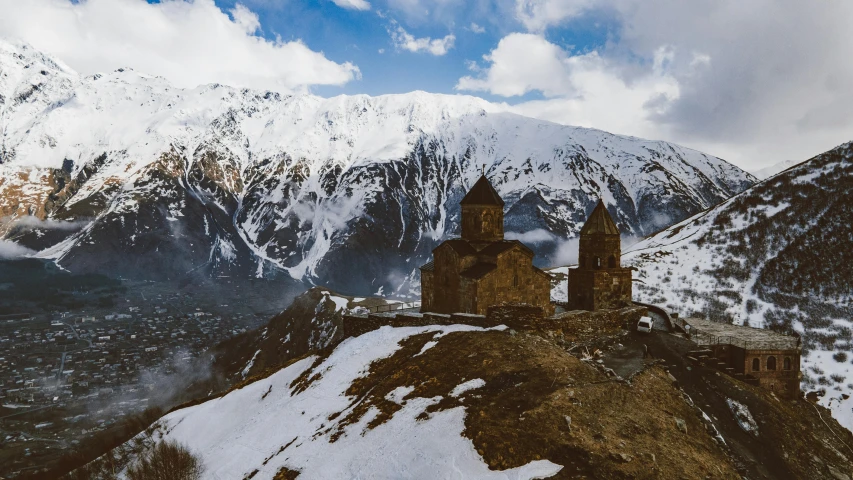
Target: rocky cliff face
{"points": [[122, 172], [779, 255]]}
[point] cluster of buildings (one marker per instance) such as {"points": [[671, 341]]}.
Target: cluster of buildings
{"points": [[482, 270]]}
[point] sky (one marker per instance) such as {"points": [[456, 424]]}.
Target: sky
{"points": [[755, 83]]}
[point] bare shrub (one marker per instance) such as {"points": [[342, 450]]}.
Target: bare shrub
{"points": [[167, 460]]}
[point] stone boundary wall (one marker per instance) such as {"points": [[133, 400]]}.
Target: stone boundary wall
{"points": [[597, 322], [516, 317]]}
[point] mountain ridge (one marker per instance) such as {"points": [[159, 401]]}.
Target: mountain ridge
{"points": [[234, 182]]}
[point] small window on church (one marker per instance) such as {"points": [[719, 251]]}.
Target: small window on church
{"points": [[756, 365], [487, 222], [786, 364], [611, 262], [515, 281], [597, 262], [771, 363]]}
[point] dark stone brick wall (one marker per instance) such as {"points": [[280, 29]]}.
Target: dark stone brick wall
{"points": [[427, 290], [784, 382], [514, 316], [599, 246], [599, 289], [483, 223], [514, 281]]}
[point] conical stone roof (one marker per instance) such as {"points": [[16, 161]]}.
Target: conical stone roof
{"points": [[599, 221], [482, 193]]}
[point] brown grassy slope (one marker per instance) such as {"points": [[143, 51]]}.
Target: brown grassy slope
{"points": [[803, 436], [531, 387]]}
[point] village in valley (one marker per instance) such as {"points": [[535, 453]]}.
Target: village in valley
{"points": [[68, 376]]}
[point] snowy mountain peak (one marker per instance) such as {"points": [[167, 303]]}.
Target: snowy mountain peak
{"points": [[253, 183]]}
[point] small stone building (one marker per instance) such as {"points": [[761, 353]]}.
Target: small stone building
{"points": [[759, 356], [481, 269], [599, 281]]}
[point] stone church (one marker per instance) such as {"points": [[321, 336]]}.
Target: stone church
{"points": [[481, 269], [599, 281]]}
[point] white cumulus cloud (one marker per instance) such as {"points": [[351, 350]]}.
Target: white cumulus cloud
{"points": [[536, 15], [752, 82], [188, 42], [403, 40], [353, 4], [477, 28], [585, 89]]}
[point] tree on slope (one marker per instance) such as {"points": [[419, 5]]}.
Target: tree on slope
{"points": [[168, 460]]}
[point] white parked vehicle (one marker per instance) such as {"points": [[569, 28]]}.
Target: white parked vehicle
{"points": [[645, 325]]}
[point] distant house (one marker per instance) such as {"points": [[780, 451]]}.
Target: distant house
{"points": [[755, 355]]}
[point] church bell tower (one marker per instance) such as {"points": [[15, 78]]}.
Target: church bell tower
{"points": [[482, 213], [599, 281]]}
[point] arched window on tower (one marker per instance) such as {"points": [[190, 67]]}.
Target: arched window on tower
{"points": [[771, 363], [487, 222], [786, 364], [756, 364], [597, 262], [611, 262], [515, 280]]}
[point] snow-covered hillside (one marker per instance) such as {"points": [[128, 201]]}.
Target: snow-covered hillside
{"points": [[779, 255], [123, 172], [306, 425], [463, 402]]}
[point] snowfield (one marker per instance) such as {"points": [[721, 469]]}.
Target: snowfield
{"points": [[266, 425]]}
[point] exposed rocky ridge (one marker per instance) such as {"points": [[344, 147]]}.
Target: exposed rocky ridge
{"points": [[311, 323], [779, 255], [161, 181]]}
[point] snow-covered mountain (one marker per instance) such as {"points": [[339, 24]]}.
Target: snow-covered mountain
{"points": [[124, 173], [779, 255], [771, 170]]}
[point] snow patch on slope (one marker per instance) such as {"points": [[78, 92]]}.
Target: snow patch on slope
{"points": [[246, 430]]}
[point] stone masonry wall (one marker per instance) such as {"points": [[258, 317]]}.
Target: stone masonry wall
{"points": [[516, 317], [597, 289]]}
